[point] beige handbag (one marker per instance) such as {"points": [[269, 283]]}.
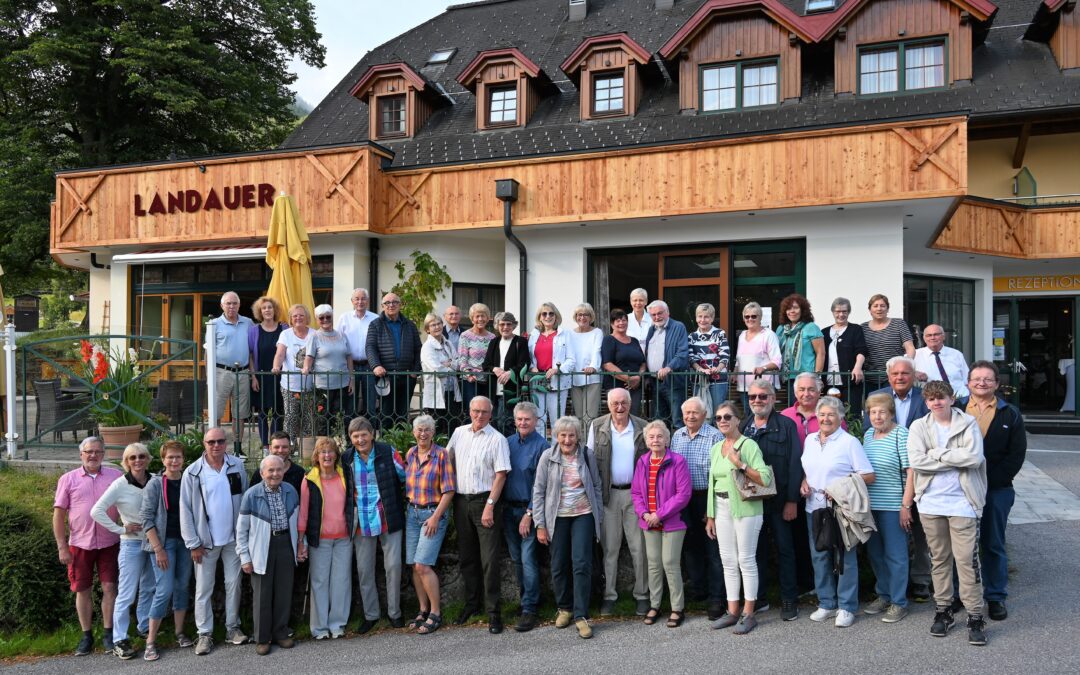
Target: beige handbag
{"points": [[749, 490]]}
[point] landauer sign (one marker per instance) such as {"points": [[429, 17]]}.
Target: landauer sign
{"points": [[1051, 283], [190, 201]]}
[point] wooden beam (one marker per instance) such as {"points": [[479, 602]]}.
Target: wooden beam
{"points": [[1021, 145], [82, 204], [409, 196], [335, 184], [928, 151]]}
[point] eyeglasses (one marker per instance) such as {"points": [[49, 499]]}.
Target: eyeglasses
{"points": [[326, 317], [547, 313], [328, 452], [214, 441], [139, 457], [726, 417], [749, 317], [758, 397], [480, 412], [983, 380], [93, 453], [425, 432], [933, 335], [391, 303]]}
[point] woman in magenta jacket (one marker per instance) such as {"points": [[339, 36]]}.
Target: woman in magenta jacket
{"points": [[661, 490]]}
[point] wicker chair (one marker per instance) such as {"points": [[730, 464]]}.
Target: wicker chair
{"points": [[59, 414]]}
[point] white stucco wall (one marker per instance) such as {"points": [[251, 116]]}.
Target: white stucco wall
{"points": [[473, 258], [100, 281]]}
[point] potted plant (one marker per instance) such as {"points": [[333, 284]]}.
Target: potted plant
{"points": [[121, 397]]}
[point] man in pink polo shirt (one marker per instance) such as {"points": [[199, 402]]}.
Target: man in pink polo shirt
{"points": [[89, 545], [804, 412]]}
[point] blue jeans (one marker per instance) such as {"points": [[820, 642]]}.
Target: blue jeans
{"points": [[670, 394], [888, 552], [718, 392], [172, 584], [136, 577], [420, 548], [833, 592], [995, 562], [523, 555], [572, 556]]}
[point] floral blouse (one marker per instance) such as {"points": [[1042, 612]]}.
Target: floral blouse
{"points": [[709, 350]]}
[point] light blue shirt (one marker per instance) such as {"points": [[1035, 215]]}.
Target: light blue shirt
{"points": [[231, 340], [902, 406]]}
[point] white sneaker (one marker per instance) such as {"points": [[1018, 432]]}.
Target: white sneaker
{"points": [[844, 618], [822, 614]]}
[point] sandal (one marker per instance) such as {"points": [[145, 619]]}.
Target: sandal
{"points": [[652, 616], [676, 619], [418, 621], [430, 626]]}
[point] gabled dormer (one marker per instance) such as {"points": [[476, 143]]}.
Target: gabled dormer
{"points": [[737, 55], [507, 85], [607, 72], [399, 100], [1058, 23], [888, 47]]}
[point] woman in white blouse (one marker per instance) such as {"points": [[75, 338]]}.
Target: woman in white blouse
{"points": [[439, 358], [585, 340], [758, 351]]}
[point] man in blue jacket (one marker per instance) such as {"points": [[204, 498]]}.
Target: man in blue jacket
{"points": [[393, 347], [667, 351]]}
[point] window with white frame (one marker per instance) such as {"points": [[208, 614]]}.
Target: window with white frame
{"points": [[904, 66], [609, 94], [739, 85], [502, 105]]}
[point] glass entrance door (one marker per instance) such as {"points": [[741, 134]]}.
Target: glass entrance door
{"points": [[1033, 345]]}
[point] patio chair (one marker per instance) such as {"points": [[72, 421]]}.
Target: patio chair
{"points": [[59, 414]]}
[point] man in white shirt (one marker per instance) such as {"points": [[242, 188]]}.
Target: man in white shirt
{"points": [[481, 459], [638, 320], [354, 325], [617, 441], [936, 361]]}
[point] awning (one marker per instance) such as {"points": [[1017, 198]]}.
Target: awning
{"points": [[235, 252]]}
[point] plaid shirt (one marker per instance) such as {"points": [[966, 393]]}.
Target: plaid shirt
{"points": [[426, 482], [279, 519], [696, 452]]}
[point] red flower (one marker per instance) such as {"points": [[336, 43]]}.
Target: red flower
{"points": [[101, 367], [87, 350]]}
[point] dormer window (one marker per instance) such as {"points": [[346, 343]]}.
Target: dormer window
{"points": [[607, 70], [880, 70], [399, 100], [391, 116], [609, 94], [507, 85], [502, 106]]}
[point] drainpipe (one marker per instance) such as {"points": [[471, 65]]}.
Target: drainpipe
{"points": [[507, 191], [373, 268]]}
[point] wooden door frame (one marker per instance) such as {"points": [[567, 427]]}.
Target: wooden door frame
{"points": [[722, 279]]}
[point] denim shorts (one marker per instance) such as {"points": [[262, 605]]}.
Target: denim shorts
{"points": [[420, 548]]}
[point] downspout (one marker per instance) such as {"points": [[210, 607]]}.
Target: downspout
{"points": [[507, 191], [373, 267]]}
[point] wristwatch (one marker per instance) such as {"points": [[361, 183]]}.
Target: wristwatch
{"points": [[490, 501]]}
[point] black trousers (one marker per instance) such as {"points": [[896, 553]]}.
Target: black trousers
{"points": [[478, 551], [272, 591], [701, 555]]}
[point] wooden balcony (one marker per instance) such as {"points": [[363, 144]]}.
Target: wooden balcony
{"points": [[1027, 231]]}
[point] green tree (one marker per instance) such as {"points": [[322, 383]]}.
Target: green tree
{"points": [[420, 288], [98, 82]]}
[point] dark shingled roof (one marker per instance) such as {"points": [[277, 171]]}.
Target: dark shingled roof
{"points": [[1011, 75]]}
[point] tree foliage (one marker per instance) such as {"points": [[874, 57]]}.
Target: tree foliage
{"points": [[98, 82], [420, 288]]}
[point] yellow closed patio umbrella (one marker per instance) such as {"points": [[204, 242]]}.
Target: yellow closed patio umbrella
{"points": [[288, 253]]}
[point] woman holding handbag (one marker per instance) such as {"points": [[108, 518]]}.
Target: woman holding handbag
{"points": [[735, 522], [886, 448]]}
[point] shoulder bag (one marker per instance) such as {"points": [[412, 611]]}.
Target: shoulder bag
{"points": [[749, 490]]}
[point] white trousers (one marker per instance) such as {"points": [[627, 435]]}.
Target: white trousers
{"points": [[737, 540]]}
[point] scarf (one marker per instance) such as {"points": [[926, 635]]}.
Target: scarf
{"points": [[791, 345]]}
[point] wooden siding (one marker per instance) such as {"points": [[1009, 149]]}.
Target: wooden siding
{"points": [[836, 166], [738, 38], [1003, 229], [110, 196], [883, 20], [1065, 42]]}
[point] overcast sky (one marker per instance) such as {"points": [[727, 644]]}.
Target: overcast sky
{"points": [[352, 28]]}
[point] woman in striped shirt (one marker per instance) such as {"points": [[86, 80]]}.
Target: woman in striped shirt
{"points": [[886, 448], [885, 337]]}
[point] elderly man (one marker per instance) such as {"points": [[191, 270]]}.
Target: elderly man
{"points": [[89, 545], [638, 321], [393, 344], [526, 446], [667, 351], [778, 437], [232, 375], [936, 361], [452, 332], [807, 389], [266, 544], [617, 440], [481, 460], [1005, 446], [700, 553], [282, 447], [354, 326], [910, 406], [210, 493]]}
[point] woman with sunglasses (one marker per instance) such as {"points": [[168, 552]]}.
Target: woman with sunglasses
{"points": [[549, 348], [136, 567], [733, 522], [330, 358], [292, 348], [757, 353], [172, 565]]}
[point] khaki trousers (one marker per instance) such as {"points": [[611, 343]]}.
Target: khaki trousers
{"points": [[664, 552], [619, 521], [955, 539]]}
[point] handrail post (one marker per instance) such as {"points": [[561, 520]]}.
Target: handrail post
{"points": [[9, 377], [211, 374]]}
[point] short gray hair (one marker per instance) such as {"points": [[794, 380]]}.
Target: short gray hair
{"points": [[527, 407], [658, 424], [658, 304], [762, 383], [640, 291], [88, 441], [423, 422], [840, 302], [360, 424], [809, 376], [899, 359], [698, 401], [614, 392], [507, 317], [567, 423], [271, 459], [324, 309], [706, 308], [830, 402]]}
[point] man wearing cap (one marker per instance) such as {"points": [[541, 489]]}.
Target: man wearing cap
{"points": [[393, 352]]}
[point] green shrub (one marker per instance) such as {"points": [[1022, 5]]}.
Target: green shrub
{"points": [[193, 447], [34, 592]]}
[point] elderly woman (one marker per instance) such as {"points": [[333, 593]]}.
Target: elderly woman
{"points": [[584, 341], [551, 355], [439, 358], [160, 516], [621, 355], [472, 350], [262, 343], [567, 509], [136, 565], [828, 455], [801, 343], [946, 452], [886, 448], [508, 360], [430, 484], [660, 490], [709, 353], [292, 350], [733, 522], [758, 351], [324, 535], [845, 352], [638, 320], [330, 358], [885, 337]]}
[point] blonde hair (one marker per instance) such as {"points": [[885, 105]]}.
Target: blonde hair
{"points": [[302, 306], [550, 307], [171, 446], [430, 319], [327, 443], [131, 450], [881, 401], [587, 309], [479, 307], [256, 307]]}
